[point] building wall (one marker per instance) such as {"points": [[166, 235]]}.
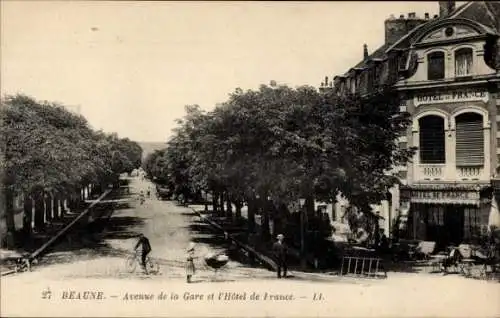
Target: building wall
{"points": [[413, 83]]}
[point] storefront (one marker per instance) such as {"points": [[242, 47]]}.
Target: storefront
{"points": [[446, 214]]}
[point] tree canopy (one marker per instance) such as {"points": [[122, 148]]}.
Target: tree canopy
{"points": [[288, 143], [49, 148]]}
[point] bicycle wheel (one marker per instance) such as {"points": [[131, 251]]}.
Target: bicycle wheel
{"points": [[152, 266], [130, 264]]}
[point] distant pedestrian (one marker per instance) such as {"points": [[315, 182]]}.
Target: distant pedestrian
{"points": [[384, 242], [280, 250], [190, 269]]}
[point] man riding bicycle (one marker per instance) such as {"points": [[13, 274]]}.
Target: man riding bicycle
{"points": [[143, 242]]}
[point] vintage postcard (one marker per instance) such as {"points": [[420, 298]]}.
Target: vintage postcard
{"points": [[250, 159]]}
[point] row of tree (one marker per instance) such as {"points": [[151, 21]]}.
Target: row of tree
{"points": [[269, 148], [50, 152]]}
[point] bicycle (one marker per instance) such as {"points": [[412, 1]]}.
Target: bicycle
{"points": [[132, 261], [23, 264]]}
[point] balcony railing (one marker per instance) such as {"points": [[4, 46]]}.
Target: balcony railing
{"points": [[471, 172], [442, 172], [431, 171]]}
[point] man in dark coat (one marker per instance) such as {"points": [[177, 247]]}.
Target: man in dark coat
{"points": [[145, 246], [280, 251]]}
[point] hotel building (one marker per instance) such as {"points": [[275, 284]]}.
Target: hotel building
{"points": [[447, 69]]}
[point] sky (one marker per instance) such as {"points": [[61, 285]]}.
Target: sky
{"points": [[131, 67]]}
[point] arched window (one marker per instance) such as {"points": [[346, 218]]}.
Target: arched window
{"points": [[432, 139], [470, 139], [463, 62], [435, 67]]}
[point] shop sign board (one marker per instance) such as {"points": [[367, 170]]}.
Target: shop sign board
{"points": [[465, 95], [443, 197]]}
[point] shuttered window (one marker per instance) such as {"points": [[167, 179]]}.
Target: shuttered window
{"points": [[432, 139], [470, 139]]}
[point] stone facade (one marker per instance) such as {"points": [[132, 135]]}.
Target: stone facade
{"points": [[447, 71]]}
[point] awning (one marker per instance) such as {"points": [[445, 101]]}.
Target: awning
{"points": [[494, 217]]}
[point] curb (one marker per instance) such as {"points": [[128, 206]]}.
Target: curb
{"points": [[264, 259], [68, 226], [8, 273], [41, 249]]}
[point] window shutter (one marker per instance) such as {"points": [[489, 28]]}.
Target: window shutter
{"points": [[470, 142]]}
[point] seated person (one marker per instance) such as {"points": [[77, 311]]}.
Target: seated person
{"points": [[451, 260]]}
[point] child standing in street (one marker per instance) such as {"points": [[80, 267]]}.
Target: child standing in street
{"points": [[190, 269]]}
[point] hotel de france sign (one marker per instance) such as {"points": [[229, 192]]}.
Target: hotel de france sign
{"points": [[466, 95]]}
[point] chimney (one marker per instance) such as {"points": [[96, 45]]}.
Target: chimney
{"points": [[365, 52], [397, 28], [426, 16], [445, 8]]}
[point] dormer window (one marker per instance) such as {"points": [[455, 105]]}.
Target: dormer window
{"points": [[463, 62], [376, 75], [435, 67]]}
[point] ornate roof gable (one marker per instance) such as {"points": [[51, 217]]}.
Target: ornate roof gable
{"points": [[447, 30]]}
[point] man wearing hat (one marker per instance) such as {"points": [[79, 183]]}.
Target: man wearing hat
{"points": [[280, 251], [145, 246]]}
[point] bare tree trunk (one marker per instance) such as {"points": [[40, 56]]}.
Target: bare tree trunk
{"points": [[48, 207], [8, 195], [238, 210], [205, 200], [215, 197], [55, 207], [308, 211], [303, 260], [278, 220], [251, 215], [229, 207], [265, 231], [39, 211], [221, 201], [28, 214], [61, 206]]}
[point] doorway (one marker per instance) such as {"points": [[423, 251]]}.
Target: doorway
{"points": [[454, 224]]}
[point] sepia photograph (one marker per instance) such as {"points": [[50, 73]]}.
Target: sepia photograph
{"points": [[249, 158]]}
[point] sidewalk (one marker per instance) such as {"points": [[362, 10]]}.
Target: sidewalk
{"points": [[37, 239], [262, 248]]}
